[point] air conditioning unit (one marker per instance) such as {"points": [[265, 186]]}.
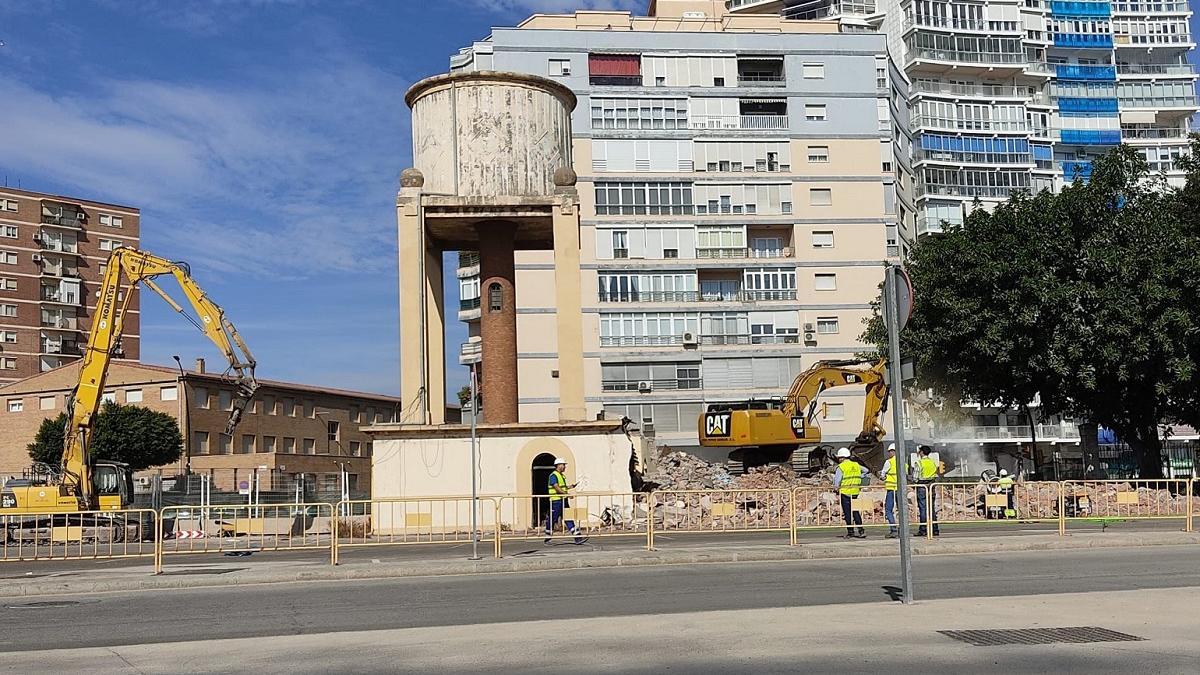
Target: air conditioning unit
{"points": [[37, 236], [689, 338], [810, 336], [37, 257], [808, 328], [644, 387], [566, 68]]}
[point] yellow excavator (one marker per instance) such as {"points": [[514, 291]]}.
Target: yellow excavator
{"points": [[761, 432], [81, 484]]}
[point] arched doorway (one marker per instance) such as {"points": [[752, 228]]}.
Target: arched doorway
{"points": [[542, 467]]}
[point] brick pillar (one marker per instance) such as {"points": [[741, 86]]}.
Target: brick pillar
{"points": [[498, 325]]}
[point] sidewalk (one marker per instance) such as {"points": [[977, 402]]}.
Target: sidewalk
{"points": [[24, 579]]}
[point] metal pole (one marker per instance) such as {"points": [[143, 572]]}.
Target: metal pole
{"points": [[474, 474], [894, 380]]}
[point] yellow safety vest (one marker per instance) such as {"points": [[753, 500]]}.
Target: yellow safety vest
{"points": [[1005, 482], [928, 468], [851, 483], [889, 474], [557, 486]]}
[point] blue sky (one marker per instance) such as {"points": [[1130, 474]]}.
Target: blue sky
{"points": [[262, 140]]}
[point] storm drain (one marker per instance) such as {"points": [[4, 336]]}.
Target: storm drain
{"points": [[1038, 636]]}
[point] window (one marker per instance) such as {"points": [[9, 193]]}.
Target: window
{"points": [[8, 284], [110, 244], [8, 364], [8, 204], [247, 446], [109, 220], [639, 113], [657, 198], [225, 399], [834, 411], [8, 257], [46, 403], [108, 397], [133, 395], [9, 336], [16, 405], [558, 67], [495, 297], [9, 231], [718, 82], [200, 443], [289, 407], [368, 449], [814, 112], [822, 239], [620, 240], [356, 415], [310, 410], [615, 69], [814, 71], [8, 310], [200, 394], [168, 394], [825, 282], [670, 253], [818, 154], [820, 197], [310, 446], [268, 405], [355, 449], [289, 446], [268, 444], [226, 444], [827, 325], [333, 430]]}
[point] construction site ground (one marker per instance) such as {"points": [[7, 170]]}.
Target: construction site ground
{"points": [[23, 578]]}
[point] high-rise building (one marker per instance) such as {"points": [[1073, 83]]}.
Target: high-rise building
{"points": [[1021, 94], [52, 257], [738, 200]]}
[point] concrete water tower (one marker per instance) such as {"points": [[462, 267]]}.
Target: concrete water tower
{"points": [[492, 172]]}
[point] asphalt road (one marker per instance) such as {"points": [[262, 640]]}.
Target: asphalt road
{"points": [[104, 620]]}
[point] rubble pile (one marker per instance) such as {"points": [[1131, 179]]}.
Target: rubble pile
{"points": [[683, 471]]}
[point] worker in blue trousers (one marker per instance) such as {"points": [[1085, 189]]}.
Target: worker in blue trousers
{"points": [[559, 491]]}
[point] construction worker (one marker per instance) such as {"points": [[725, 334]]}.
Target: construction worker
{"points": [[848, 480], [926, 471], [558, 490], [888, 474], [1005, 484]]}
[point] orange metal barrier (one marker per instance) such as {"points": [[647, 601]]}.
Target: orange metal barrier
{"points": [[820, 508], [245, 528], [1148, 499], [711, 511], [83, 535], [414, 520], [585, 515]]}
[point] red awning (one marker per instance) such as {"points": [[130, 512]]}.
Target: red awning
{"points": [[615, 65]]}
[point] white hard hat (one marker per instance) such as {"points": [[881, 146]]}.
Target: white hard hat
{"points": [[559, 460], [843, 453], [1003, 472], [891, 447]]}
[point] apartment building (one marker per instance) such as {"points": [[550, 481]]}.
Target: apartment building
{"points": [[52, 258], [292, 429], [1007, 95], [738, 200]]}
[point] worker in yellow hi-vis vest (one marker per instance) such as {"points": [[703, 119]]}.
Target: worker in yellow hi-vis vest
{"points": [[888, 474], [558, 490], [927, 474], [849, 479]]}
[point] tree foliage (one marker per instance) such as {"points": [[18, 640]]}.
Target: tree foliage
{"points": [[1086, 298], [137, 436]]}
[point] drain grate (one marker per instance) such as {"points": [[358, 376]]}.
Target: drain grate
{"points": [[1038, 636]]}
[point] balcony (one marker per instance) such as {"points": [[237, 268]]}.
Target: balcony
{"points": [[956, 24], [1083, 40], [468, 264], [988, 91], [814, 11], [1085, 73], [1144, 7], [741, 122], [1186, 101], [969, 191], [69, 219], [468, 310], [768, 295], [1087, 105], [60, 272], [1156, 69], [60, 297], [934, 224], [61, 348], [761, 72], [1152, 133], [470, 352], [1090, 137], [939, 60], [929, 122], [672, 384], [56, 245], [1073, 170], [650, 296], [738, 252], [640, 340], [60, 322], [1076, 8], [971, 157], [1009, 432]]}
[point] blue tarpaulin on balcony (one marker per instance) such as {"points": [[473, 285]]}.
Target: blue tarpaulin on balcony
{"points": [[1091, 73], [1059, 8], [1091, 136], [1087, 105]]}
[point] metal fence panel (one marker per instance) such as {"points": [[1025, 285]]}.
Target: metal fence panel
{"points": [[245, 528], [583, 515], [414, 520], [710, 511], [1141, 499], [81, 535], [821, 508]]}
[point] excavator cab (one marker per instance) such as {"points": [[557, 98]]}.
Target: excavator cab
{"points": [[114, 485]]}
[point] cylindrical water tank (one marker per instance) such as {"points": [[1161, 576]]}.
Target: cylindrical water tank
{"points": [[490, 134]]}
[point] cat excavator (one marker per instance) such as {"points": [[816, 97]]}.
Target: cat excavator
{"points": [[81, 484], [770, 431]]}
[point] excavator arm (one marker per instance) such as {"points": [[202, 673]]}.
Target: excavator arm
{"points": [[828, 374], [127, 268]]}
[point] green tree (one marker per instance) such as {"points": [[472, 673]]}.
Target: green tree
{"points": [[1085, 298], [464, 395], [137, 436]]}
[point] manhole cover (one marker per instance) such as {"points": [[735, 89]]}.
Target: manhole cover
{"points": [[1038, 636], [45, 604]]}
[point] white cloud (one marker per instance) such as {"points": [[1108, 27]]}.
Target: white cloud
{"points": [[276, 175], [560, 6]]}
